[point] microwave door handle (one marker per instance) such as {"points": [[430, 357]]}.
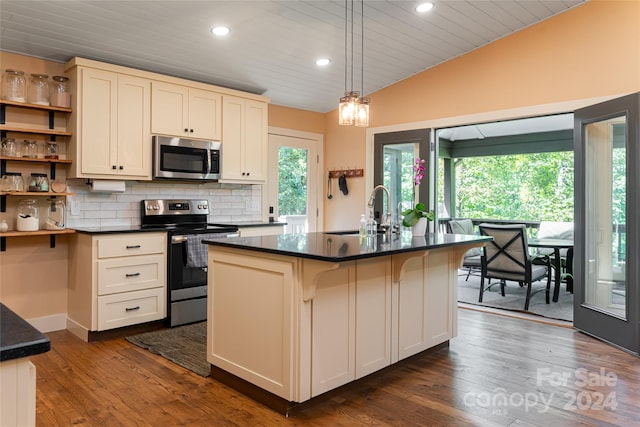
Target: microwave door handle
{"points": [[208, 171]]}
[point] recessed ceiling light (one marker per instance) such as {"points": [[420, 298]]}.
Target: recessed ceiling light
{"points": [[220, 31], [323, 62], [424, 7]]}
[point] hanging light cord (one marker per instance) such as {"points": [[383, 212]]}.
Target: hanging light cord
{"points": [[352, 55], [362, 48], [345, 45]]}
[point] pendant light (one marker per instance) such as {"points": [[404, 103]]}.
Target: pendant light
{"points": [[353, 109]]}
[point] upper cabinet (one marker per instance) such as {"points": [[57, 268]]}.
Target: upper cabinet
{"points": [[185, 112], [117, 109], [112, 136], [244, 140]]}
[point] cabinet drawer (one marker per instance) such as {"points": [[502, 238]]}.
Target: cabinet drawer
{"points": [[130, 274], [135, 244], [130, 308]]}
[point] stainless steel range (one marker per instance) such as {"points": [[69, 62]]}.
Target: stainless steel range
{"points": [[186, 224]]}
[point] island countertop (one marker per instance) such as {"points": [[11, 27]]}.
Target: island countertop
{"points": [[18, 338], [336, 246]]}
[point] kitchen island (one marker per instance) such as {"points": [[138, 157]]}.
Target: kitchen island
{"points": [[294, 316]]}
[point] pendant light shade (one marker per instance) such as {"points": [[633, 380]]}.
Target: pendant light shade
{"points": [[353, 109], [362, 112]]}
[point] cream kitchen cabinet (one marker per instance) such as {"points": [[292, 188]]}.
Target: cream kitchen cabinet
{"points": [[112, 138], [244, 136], [185, 112], [116, 280]]}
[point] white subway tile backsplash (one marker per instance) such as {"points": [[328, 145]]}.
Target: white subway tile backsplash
{"points": [[228, 202]]}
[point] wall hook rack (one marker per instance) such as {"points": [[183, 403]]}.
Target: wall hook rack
{"points": [[349, 173]]}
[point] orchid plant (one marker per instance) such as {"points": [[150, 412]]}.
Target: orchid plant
{"points": [[411, 216]]}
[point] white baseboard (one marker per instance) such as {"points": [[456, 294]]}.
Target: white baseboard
{"points": [[52, 323]]}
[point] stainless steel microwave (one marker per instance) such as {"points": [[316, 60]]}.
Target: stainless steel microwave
{"points": [[188, 159]]}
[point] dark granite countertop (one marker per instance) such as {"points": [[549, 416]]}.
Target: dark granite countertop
{"points": [[18, 338], [344, 247], [251, 223], [138, 228], [116, 229]]}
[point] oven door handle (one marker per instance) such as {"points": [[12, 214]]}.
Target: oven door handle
{"points": [[178, 239]]}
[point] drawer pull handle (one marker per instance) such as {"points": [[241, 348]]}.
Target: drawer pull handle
{"points": [[132, 274], [133, 246], [137, 307]]}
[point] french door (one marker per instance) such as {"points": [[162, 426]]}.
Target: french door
{"points": [[607, 185], [294, 181]]}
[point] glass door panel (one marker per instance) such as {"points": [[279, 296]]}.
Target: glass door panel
{"points": [[397, 166], [607, 208], [393, 160], [605, 216], [292, 188], [293, 182]]}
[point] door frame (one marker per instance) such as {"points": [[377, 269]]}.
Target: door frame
{"points": [[622, 333], [318, 139]]}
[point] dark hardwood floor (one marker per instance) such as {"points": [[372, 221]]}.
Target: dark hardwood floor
{"points": [[499, 371]]}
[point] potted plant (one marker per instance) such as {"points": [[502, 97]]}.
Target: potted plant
{"points": [[417, 217]]}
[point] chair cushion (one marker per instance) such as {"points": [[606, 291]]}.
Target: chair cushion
{"points": [[464, 226], [472, 261]]}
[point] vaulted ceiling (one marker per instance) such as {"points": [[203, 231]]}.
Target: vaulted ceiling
{"points": [[273, 44]]}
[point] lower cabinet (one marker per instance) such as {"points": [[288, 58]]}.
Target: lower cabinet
{"points": [[310, 326], [426, 306], [116, 280], [18, 391], [353, 305]]}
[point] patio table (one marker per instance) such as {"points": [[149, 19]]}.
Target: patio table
{"points": [[556, 245]]}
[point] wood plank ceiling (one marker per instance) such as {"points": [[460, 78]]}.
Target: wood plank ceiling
{"points": [[273, 43]]}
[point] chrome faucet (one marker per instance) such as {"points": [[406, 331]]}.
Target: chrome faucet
{"points": [[386, 220]]}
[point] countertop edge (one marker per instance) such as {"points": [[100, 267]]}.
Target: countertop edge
{"points": [[20, 339], [238, 245]]}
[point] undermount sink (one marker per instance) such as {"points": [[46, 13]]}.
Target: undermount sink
{"points": [[348, 233]]}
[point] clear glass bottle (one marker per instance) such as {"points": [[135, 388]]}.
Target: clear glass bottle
{"points": [[38, 91], [28, 219], [30, 149], [52, 150], [60, 95], [55, 214], [372, 227], [14, 86], [362, 231], [9, 147]]}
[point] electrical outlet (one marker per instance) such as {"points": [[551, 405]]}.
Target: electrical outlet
{"points": [[252, 205], [73, 206]]}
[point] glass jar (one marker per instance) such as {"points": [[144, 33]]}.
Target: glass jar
{"points": [[12, 181], [60, 95], [55, 214], [51, 151], [9, 147], [30, 149], [38, 92], [28, 219], [14, 86], [39, 182]]}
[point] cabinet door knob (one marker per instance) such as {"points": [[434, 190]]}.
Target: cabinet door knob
{"points": [[186, 130], [113, 167], [191, 130], [121, 167]]}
